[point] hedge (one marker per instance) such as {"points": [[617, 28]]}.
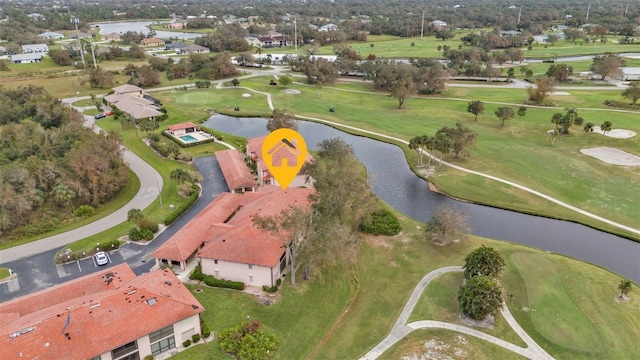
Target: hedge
{"points": [[382, 222], [622, 104], [209, 280], [177, 212]]}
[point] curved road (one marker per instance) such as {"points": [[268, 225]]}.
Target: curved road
{"points": [[401, 328]]}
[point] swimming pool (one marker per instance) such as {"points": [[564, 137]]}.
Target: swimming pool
{"points": [[188, 138]]}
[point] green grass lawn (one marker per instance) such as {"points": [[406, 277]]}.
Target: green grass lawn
{"points": [[526, 156], [337, 317], [4, 273]]}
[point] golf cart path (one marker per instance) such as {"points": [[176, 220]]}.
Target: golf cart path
{"points": [[401, 328]]}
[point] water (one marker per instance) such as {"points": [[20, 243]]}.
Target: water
{"points": [[188, 138], [393, 181], [141, 26]]}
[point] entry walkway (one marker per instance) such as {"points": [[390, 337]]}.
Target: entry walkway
{"points": [[401, 328]]}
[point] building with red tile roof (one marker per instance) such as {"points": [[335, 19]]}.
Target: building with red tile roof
{"points": [[235, 171], [228, 244], [182, 128], [254, 151], [111, 314]]}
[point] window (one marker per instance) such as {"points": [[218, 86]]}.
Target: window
{"points": [[97, 358], [126, 352], [250, 278], [162, 340], [250, 266], [215, 261], [216, 273]]}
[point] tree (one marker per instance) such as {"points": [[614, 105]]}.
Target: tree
{"points": [[606, 127], [245, 58], [180, 175], [64, 195], [98, 78], [483, 261], [444, 33], [624, 287], [135, 216], [285, 80], [60, 57], [147, 77], [522, 111], [281, 119], [504, 113], [480, 296], [447, 224], [632, 92], [418, 144], [462, 139], [248, 341], [564, 121], [608, 65], [235, 82], [4, 65], [543, 87], [440, 143], [476, 107], [511, 73], [560, 72], [588, 128], [149, 125], [402, 89]]}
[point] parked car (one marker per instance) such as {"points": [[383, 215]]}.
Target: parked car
{"points": [[100, 116], [101, 258]]}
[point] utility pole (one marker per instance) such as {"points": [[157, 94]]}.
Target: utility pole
{"points": [[588, 10], [295, 29], [519, 14], [75, 21], [422, 26], [626, 9], [93, 54]]}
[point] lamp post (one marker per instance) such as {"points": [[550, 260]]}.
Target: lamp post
{"points": [[75, 21]]}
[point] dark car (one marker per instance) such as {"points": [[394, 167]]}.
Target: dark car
{"points": [[100, 116]]}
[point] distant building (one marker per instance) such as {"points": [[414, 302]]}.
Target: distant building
{"points": [[80, 35], [152, 42], [25, 58], [630, 73], [176, 46], [131, 100], [36, 16], [110, 314], [194, 49], [177, 25], [112, 37], [328, 27], [438, 23], [35, 49], [51, 35]]}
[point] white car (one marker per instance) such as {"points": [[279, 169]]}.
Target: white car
{"points": [[101, 258]]}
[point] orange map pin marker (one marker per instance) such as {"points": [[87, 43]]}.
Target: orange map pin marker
{"points": [[284, 152]]}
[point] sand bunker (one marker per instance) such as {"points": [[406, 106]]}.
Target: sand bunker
{"points": [[246, 95], [291, 91], [613, 156], [558, 93], [616, 133]]}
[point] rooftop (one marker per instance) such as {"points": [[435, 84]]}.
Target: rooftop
{"points": [[235, 170]]}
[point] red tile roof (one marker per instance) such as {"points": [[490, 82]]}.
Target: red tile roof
{"points": [[254, 148], [235, 170], [100, 317], [226, 228], [182, 126]]}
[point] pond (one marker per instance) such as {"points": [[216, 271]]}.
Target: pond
{"points": [[393, 181], [141, 26]]}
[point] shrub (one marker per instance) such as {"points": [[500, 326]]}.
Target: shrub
{"points": [[270, 289], [186, 343], [622, 104], [278, 282], [84, 211], [195, 338], [196, 274], [109, 245], [176, 213], [135, 234], [154, 137], [146, 224], [206, 331], [382, 222], [226, 284], [248, 341], [148, 357]]}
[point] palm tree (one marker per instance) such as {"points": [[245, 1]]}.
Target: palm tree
{"points": [[504, 113], [416, 144], [522, 111], [135, 216], [624, 287], [64, 194], [605, 127], [588, 128]]}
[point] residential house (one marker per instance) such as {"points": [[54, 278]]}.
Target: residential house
{"points": [[25, 58], [51, 35], [182, 128], [328, 27], [227, 242], [131, 100], [630, 73], [128, 89], [3, 50], [35, 49], [176, 46], [110, 314], [80, 35], [254, 152], [194, 49], [152, 41], [36, 16], [112, 37], [177, 25], [235, 171], [271, 41], [438, 24], [253, 41]]}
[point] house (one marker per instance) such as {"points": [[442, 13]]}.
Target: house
{"points": [[153, 41], [178, 25], [51, 35], [253, 41], [194, 49], [131, 100], [36, 16], [25, 58], [3, 50], [630, 73], [182, 128], [110, 314], [254, 152], [35, 49], [510, 33], [438, 24], [128, 89], [228, 244], [328, 27], [176, 46], [235, 171], [80, 35], [112, 37]]}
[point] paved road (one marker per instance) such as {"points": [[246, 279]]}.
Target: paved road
{"points": [[38, 271], [401, 328]]}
